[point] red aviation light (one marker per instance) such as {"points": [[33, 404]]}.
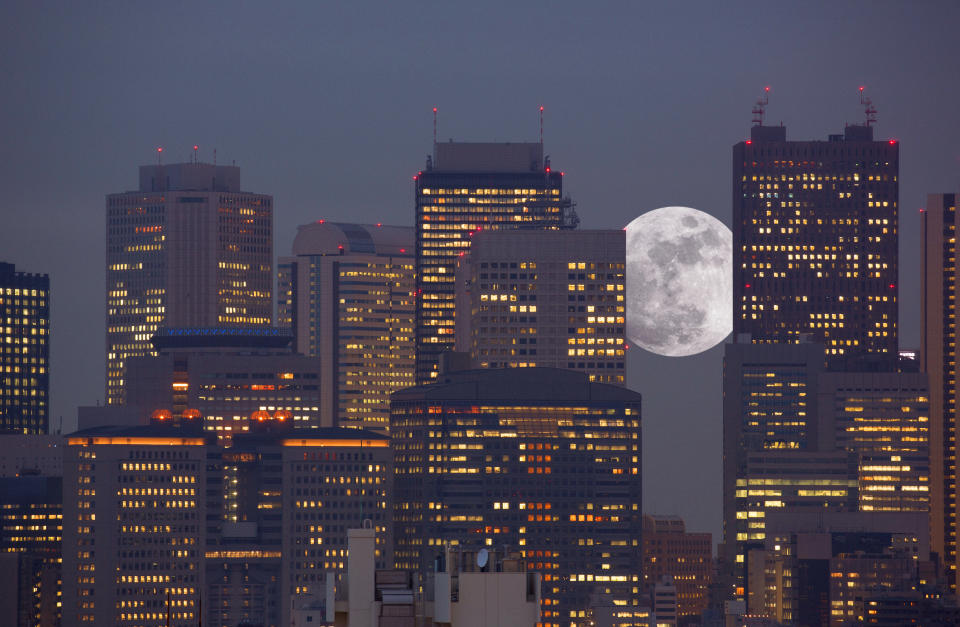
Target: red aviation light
{"points": [[893, 286], [403, 250], [892, 142], [321, 221], [748, 285], [159, 148], [548, 169], [749, 141], [862, 87], [379, 224], [196, 147]]}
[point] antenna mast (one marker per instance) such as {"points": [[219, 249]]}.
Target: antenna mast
{"points": [[541, 125], [434, 125], [759, 107], [869, 111], [196, 159], [159, 155]]}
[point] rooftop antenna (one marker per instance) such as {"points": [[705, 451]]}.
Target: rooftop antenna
{"points": [[214, 156], [196, 159], [541, 125], [869, 111], [434, 125], [159, 155], [758, 108]]}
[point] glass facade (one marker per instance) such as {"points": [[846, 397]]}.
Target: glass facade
{"points": [[24, 351]]}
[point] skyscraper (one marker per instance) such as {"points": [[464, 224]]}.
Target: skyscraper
{"points": [[544, 298], [466, 188], [815, 239], [538, 460], [187, 249], [938, 356], [24, 351], [347, 295]]}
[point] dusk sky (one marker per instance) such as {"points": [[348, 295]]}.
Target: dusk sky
{"points": [[327, 106]]}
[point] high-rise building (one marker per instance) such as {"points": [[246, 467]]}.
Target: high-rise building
{"points": [[685, 558], [24, 351], [883, 418], [230, 378], [544, 298], [187, 249], [815, 239], [792, 482], [31, 535], [162, 519], [769, 404], [347, 295], [938, 357], [539, 460], [825, 568], [466, 188]]}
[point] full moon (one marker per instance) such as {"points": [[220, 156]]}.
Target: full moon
{"points": [[679, 281]]}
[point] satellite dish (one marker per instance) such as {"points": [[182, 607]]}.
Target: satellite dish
{"points": [[482, 558]]}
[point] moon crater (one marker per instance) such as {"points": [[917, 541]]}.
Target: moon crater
{"points": [[679, 281]]}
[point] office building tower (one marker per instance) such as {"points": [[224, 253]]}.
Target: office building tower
{"points": [[187, 249], [685, 558], [164, 519], [31, 455], [539, 460], [347, 295], [24, 351], [228, 377], [815, 239], [31, 535], [544, 298], [769, 404], [464, 189], [938, 356], [792, 482], [883, 418], [289, 497], [837, 568]]}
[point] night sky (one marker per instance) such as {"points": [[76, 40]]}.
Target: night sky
{"points": [[328, 107]]}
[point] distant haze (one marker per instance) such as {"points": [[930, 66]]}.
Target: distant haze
{"points": [[328, 106]]}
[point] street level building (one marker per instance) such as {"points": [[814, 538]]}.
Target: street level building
{"points": [[544, 298], [815, 232], [539, 460], [346, 293], [466, 188], [187, 249], [24, 351]]}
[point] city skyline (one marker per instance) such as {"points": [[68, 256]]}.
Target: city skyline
{"points": [[617, 167]]}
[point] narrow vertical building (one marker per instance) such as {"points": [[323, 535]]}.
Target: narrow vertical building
{"points": [[938, 358], [464, 189], [769, 405], [346, 293], [187, 249], [24, 351], [815, 239], [544, 298]]}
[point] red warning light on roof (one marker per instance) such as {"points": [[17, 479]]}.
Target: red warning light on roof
{"points": [[767, 88], [159, 148], [196, 147], [548, 168], [321, 221], [403, 250], [892, 142], [747, 285], [541, 107], [749, 141], [893, 286], [340, 247], [379, 224], [434, 109], [862, 87]]}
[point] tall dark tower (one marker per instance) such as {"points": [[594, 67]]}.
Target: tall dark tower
{"points": [[465, 188], [938, 356], [24, 351], [815, 239]]}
